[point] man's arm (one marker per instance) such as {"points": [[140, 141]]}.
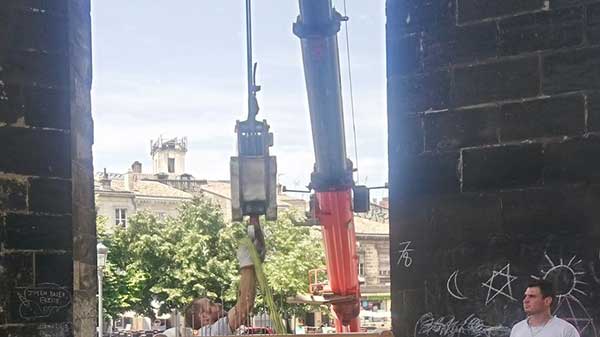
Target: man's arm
{"points": [[241, 311]]}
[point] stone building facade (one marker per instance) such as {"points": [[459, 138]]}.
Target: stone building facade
{"points": [[374, 263], [494, 155], [118, 196]]}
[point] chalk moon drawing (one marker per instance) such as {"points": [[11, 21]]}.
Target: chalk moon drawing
{"points": [[452, 287]]}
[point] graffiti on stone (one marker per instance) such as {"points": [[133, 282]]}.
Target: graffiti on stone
{"points": [[449, 326], [42, 301]]}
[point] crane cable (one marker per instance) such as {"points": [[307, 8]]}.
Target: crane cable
{"points": [[351, 92]]}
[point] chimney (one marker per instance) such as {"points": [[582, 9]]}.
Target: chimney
{"points": [[136, 167], [131, 179], [105, 181]]}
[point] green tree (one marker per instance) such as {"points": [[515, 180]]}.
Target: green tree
{"points": [[171, 261], [292, 251]]}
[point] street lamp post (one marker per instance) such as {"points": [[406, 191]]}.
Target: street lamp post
{"points": [[102, 252]]}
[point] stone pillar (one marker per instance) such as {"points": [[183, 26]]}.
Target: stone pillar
{"points": [[47, 228], [494, 153]]}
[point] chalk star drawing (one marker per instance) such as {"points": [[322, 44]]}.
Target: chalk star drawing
{"points": [[493, 291], [566, 277], [404, 253], [452, 287]]}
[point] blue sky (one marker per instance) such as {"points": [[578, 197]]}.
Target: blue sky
{"points": [[177, 68]]}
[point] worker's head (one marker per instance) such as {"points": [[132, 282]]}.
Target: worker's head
{"points": [[539, 297], [202, 312]]}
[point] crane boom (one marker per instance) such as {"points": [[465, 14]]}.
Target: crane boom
{"points": [[317, 27]]}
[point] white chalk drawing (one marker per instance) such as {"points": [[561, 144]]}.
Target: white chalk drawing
{"points": [[505, 289], [567, 277], [452, 287], [595, 275], [404, 251], [55, 330], [3, 96], [449, 326], [42, 301]]}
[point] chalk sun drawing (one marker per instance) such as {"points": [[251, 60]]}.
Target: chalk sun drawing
{"points": [[567, 278], [404, 251], [452, 287], [505, 290]]}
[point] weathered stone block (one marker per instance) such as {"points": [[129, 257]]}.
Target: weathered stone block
{"points": [[543, 118], [451, 130], [84, 248], [555, 4], [574, 160], [555, 209], [16, 270], [38, 232], [541, 31], [407, 135], [39, 31], [50, 195], [593, 23], [48, 108], [41, 107], [571, 70], [506, 79], [404, 55], [471, 10], [427, 174], [85, 276], [593, 110], [48, 152], [409, 16], [11, 108], [84, 220], [419, 93], [501, 167], [53, 6], [34, 68], [38, 330], [453, 45], [465, 220], [13, 194], [83, 192], [55, 269]]}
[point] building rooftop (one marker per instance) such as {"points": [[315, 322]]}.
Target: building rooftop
{"points": [[222, 188], [142, 188], [366, 226]]}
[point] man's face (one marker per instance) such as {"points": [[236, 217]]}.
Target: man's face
{"points": [[209, 313], [534, 302]]}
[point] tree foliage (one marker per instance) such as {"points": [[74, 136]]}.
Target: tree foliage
{"points": [[168, 262], [292, 251]]}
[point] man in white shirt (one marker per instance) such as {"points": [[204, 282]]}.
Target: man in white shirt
{"points": [[208, 318], [539, 297]]}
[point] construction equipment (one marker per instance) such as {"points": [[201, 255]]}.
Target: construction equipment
{"points": [[253, 171], [332, 180]]}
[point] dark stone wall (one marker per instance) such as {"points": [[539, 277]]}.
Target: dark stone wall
{"points": [[494, 154], [47, 222]]}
